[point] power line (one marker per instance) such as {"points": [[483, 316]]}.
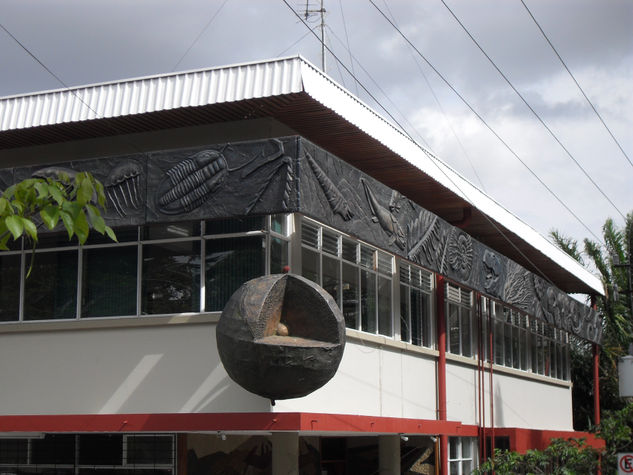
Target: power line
{"points": [[296, 42], [349, 50], [577, 84], [68, 88], [533, 111], [434, 159], [439, 106], [199, 35], [375, 83], [488, 126]]}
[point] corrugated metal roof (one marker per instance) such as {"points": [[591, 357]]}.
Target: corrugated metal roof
{"points": [[278, 88]]}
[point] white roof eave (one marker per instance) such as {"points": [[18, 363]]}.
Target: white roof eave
{"points": [[332, 96], [260, 80]]}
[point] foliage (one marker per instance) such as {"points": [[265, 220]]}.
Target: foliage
{"points": [[616, 429], [615, 308], [562, 457], [72, 201]]}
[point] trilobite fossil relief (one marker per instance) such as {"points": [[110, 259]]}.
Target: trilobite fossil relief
{"points": [[190, 183], [123, 187], [336, 200]]}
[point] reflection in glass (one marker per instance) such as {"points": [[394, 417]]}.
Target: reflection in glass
{"points": [[404, 315], [310, 265], [171, 278], [384, 306], [330, 277], [453, 328], [109, 282], [350, 295], [368, 301], [278, 255], [228, 264], [50, 292], [10, 285]]}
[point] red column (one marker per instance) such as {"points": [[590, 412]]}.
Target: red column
{"points": [[441, 370]]}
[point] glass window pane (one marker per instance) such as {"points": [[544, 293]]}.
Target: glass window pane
{"points": [[330, 242], [498, 341], [466, 449], [466, 323], [453, 329], [10, 285], [525, 345], [101, 449], [171, 277], [367, 257], [13, 450], [150, 449], [109, 281], [310, 265], [349, 250], [310, 234], [515, 347], [53, 449], [171, 230], [453, 444], [278, 224], [229, 263], [508, 345], [123, 234], [417, 310], [350, 295], [234, 225], [405, 320], [51, 290], [331, 280], [278, 255], [368, 301], [384, 306]]}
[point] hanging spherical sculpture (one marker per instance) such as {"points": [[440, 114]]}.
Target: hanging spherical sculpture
{"points": [[281, 336]]}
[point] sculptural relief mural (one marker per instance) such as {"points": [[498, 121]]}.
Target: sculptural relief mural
{"points": [[293, 175]]}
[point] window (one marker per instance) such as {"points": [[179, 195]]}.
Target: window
{"points": [[156, 269], [357, 276], [415, 305], [90, 454], [462, 455], [459, 320]]}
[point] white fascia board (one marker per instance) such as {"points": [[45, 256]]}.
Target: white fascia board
{"points": [[334, 97]]}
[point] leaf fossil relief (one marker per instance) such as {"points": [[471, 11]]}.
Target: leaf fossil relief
{"points": [[334, 197]]}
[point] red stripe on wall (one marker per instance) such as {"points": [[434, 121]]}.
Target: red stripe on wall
{"points": [[293, 421]]}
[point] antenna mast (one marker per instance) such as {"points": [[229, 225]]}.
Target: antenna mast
{"points": [[307, 14]]}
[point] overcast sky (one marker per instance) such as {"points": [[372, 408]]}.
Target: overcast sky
{"points": [[85, 42]]}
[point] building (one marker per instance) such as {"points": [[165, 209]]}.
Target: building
{"points": [[214, 177]]}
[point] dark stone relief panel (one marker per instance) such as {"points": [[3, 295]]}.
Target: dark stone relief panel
{"points": [[345, 198], [223, 180], [291, 174]]}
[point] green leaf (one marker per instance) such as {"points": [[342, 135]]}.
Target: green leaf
{"points": [[95, 218], [15, 226], [82, 228], [100, 194], [4, 205], [56, 193], [3, 242], [84, 194], [50, 216], [69, 223], [71, 208], [30, 228], [42, 189], [111, 234]]}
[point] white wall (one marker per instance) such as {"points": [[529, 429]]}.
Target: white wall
{"points": [[159, 369], [518, 401], [371, 381]]}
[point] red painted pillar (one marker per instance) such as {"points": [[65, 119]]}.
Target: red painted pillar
{"points": [[441, 370]]}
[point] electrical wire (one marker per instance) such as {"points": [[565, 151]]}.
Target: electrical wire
{"points": [[435, 160], [199, 35], [569, 154], [68, 88], [375, 83], [349, 50], [296, 42], [488, 126], [439, 106], [577, 84]]}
